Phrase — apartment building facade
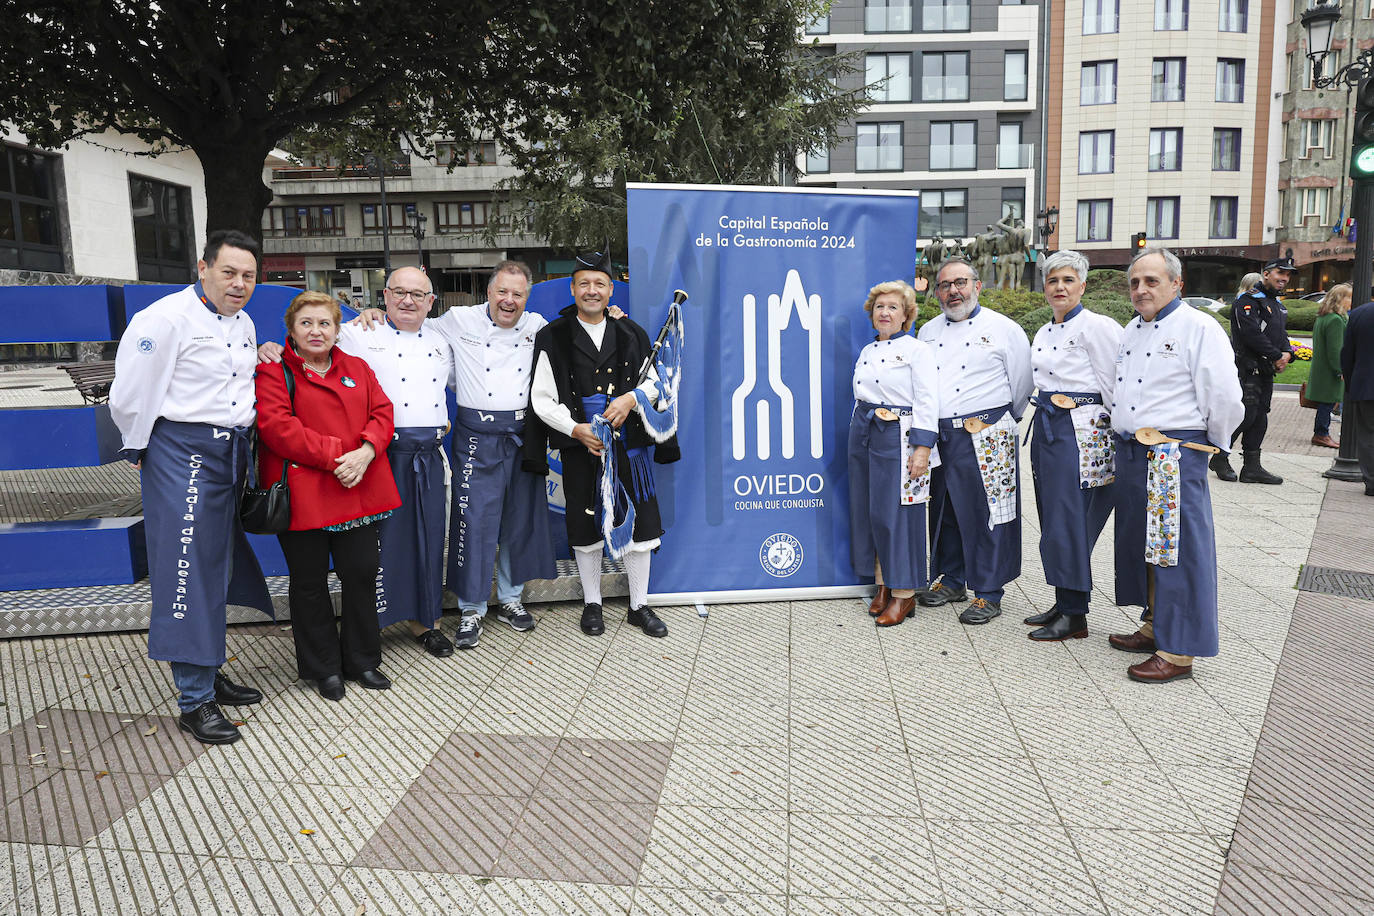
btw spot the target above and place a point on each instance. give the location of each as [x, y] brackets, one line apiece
[1162, 119]
[954, 108]
[326, 225]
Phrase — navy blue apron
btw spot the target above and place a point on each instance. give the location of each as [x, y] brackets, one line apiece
[879, 525]
[1185, 612]
[1071, 518]
[963, 549]
[410, 581]
[199, 559]
[494, 501]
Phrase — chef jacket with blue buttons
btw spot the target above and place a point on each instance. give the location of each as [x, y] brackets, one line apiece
[413, 368]
[1176, 373]
[983, 363]
[180, 359]
[1078, 354]
[900, 372]
[494, 364]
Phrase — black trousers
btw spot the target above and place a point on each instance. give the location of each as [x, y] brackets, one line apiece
[1361, 423]
[354, 644]
[1257, 394]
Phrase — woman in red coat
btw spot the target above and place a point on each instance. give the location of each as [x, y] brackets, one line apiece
[334, 433]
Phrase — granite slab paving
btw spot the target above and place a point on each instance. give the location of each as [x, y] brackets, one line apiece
[779, 757]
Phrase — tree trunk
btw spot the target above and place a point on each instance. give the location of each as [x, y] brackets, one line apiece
[235, 196]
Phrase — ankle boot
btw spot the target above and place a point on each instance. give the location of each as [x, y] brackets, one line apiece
[897, 611]
[1065, 626]
[1222, 466]
[875, 607]
[1251, 472]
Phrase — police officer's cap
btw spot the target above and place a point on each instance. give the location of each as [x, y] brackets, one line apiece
[1281, 264]
[595, 260]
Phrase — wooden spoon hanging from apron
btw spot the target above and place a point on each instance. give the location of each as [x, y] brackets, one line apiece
[1148, 435]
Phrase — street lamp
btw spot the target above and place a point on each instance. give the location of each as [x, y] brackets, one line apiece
[1320, 22]
[1046, 221]
[418, 230]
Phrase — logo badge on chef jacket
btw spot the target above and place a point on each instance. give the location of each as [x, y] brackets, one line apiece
[348, 382]
[146, 345]
[781, 555]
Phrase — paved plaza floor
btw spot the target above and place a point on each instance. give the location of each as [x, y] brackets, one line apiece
[772, 758]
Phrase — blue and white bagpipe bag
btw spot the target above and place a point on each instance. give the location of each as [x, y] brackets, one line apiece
[661, 423]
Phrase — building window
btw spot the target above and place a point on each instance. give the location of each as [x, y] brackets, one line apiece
[1100, 17]
[1014, 76]
[887, 15]
[1096, 150]
[460, 216]
[1165, 146]
[1014, 203]
[944, 76]
[1097, 85]
[888, 77]
[1223, 221]
[1167, 76]
[879, 148]
[1094, 221]
[1313, 203]
[820, 25]
[1316, 137]
[399, 218]
[953, 145]
[460, 155]
[1011, 153]
[1234, 14]
[1230, 79]
[1161, 217]
[944, 15]
[944, 213]
[29, 227]
[1226, 149]
[818, 161]
[1171, 15]
[162, 230]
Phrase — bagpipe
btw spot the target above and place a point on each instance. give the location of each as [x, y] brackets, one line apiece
[665, 359]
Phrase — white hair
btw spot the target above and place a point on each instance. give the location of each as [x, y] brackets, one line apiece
[1171, 263]
[1066, 258]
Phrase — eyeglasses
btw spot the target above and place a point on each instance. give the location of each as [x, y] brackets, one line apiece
[960, 284]
[415, 294]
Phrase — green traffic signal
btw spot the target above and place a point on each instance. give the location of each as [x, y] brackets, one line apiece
[1362, 162]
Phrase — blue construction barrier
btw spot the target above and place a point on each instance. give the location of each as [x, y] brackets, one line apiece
[93, 551]
[61, 314]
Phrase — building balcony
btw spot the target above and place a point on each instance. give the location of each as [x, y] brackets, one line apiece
[1015, 155]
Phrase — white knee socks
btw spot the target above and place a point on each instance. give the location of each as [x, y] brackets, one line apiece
[589, 570]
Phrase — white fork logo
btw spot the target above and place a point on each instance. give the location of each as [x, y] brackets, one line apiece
[808, 309]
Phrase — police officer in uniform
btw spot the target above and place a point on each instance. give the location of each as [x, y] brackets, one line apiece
[1259, 336]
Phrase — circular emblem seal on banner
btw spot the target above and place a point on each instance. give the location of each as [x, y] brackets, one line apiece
[781, 555]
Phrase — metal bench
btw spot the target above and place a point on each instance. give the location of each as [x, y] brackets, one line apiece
[93, 380]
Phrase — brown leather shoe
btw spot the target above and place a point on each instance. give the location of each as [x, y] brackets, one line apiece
[1325, 441]
[897, 611]
[880, 600]
[1132, 642]
[1155, 670]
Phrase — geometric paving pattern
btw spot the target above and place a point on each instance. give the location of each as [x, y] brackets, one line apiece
[771, 758]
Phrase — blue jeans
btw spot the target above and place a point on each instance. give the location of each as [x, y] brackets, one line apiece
[506, 591]
[1322, 425]
[196, 683]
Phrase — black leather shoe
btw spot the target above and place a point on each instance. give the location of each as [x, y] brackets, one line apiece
[435, 643]
[1065, 626]
[332, 687]
[227, 693]
[1221, 466]
[1039, 620]
[648, 621]
[372, 679]
[208, 725]
[592, 624]
[1253, 472]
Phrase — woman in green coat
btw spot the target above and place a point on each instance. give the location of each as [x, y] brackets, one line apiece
[1325, 385]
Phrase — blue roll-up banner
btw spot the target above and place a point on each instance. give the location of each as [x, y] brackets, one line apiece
[758, 507]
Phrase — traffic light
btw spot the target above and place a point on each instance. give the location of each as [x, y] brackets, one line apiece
[1362, 133]
[1138, 241]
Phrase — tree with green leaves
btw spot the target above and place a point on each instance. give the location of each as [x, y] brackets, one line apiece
[231, 79]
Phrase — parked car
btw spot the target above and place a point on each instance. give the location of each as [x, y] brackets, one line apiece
[1203, 302]
[1315, 297]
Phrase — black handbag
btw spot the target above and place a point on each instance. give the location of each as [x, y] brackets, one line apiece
[268, 510]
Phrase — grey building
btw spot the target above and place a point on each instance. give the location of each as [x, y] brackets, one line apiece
[954, 108]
